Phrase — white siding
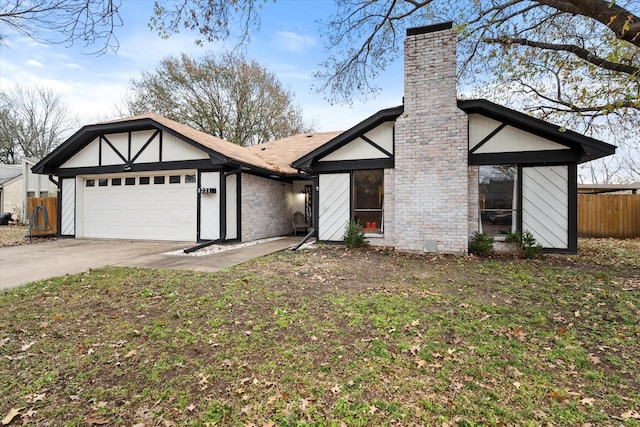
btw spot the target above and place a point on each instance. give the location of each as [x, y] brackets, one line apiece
[334, 209]
[173, 149]
[119, 141]
[88, 156]
[357, 149]
[545, 210]
[68, 202]
[151, 153]
[382, 135]
[210, 206]
[507, 140]
[232, 207]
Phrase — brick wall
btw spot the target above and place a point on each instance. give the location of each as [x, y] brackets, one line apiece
[266, 208]
[431, 178]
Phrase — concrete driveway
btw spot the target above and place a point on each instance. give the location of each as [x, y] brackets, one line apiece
[42, 260]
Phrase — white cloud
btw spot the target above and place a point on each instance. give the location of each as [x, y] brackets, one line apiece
[293, 42]
[34, 63]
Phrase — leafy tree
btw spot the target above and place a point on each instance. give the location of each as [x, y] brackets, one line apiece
[64, 21]
[227, 96]
[34, 122]
[574, 62]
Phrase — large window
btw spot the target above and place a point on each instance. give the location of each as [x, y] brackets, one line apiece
[368, 198]
[497, 199]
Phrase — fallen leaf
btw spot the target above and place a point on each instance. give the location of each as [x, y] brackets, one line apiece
[304, 404]
[517, 384]
[630, 415]
[95, 420]
[451, 351]
[58, 316]
[594, 359]
[27, 346]
[336, 389]
[191, 407]
[421, 363]
[372, 409]
[130, 354]
[588, 401]
[29, 414]
[519, 334]
[32, 398]
[3, 341]
[415, 322]
[13, 412]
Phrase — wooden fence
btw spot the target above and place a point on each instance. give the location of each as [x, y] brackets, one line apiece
[609, 215]
[43, 226]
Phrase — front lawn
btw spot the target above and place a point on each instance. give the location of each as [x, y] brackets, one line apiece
[331, 337]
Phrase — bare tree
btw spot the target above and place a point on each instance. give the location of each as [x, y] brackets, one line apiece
[90, 22]
[227, 96]
[35, 121]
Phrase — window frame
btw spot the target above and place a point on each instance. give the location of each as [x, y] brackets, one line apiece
[368, 227]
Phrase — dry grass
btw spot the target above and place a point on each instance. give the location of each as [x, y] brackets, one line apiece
[11, 235]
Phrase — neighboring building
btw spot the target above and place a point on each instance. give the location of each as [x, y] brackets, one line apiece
[420, 177]
[15, 189]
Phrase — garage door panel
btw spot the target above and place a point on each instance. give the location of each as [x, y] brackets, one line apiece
[146, 212]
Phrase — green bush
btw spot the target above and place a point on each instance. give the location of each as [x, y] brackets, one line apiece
[527, 244]
[353, 236]
[480, 244]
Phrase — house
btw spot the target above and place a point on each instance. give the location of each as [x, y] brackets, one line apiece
[418, 176]
[17, 183]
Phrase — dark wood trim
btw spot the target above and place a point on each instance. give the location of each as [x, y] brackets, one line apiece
[146, 144]
[519, 209]
[139, 167]
[525, 157]
[369, 141]
[488, 137]
[573, 207]
[350, 165]
[239, 204]
[100, 150]
[114, 149]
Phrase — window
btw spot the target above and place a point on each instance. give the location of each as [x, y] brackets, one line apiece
[158, 179]
[116, 181]
[497, 199]
[368, 199]
[129, 181]
[144, 180]
[91, 182]
[174, 179]
[102, 182]
[189, 179]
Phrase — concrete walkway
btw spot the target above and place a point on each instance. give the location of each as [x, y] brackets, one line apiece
[30, 262]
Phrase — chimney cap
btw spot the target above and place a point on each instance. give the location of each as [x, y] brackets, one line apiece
[429, 28]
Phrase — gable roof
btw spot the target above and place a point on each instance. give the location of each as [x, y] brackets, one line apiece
[586, 147]
[219, 149]
[305, 161]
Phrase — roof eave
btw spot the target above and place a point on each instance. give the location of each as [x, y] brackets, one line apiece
[589, 148]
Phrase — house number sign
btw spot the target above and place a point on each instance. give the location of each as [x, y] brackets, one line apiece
[206, 190]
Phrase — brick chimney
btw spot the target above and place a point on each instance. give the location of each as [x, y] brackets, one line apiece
[431, 148]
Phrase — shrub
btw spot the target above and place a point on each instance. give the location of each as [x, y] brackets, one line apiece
[527, 244]
[480, 244]
[353, 236]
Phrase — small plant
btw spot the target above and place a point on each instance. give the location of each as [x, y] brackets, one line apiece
[480, 244]
[353, 236]
[527, 244]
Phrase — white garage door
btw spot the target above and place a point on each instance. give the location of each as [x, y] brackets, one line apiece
[148, 207]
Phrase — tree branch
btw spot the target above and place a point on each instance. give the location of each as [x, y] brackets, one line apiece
[576, 50]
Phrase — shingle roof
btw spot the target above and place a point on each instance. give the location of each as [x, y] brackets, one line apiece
[282, 152]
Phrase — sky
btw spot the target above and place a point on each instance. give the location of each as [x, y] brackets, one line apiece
[289, 44]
